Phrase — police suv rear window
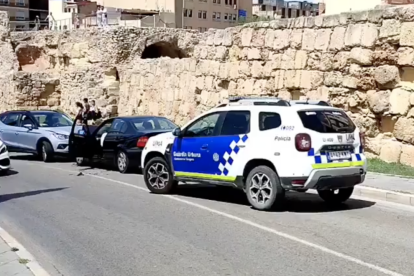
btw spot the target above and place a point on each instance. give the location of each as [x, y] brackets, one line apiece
[326, 121]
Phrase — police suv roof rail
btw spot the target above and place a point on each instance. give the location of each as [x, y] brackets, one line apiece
[240, 100]
[310, 102]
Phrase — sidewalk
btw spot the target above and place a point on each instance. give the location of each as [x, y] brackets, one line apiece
[388, 188]
[15, 260]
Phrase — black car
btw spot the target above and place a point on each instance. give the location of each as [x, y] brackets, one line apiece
[119, 141]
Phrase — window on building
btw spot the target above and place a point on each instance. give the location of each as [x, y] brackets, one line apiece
[226, 2]
[230, 2]
[204, 14]
[218, 16]
[234, 17]
[188, 27]
[213, 16]
[263, 8]
[5, 2]
[20, 3]
[20, 15]
[200, 14]
[226, 17]
[188, 13]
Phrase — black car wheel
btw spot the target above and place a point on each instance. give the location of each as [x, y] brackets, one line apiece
[47, 151]
[122, 161]
[336, 196]
[158, 176]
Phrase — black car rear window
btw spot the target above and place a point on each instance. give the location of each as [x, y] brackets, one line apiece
[326, 121]
[152, 123]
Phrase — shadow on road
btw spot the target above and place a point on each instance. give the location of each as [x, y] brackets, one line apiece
[31, 157]
[295, 202]
[8, 173]
[7, 197]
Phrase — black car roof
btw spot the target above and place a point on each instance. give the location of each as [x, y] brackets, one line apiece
[135, 117]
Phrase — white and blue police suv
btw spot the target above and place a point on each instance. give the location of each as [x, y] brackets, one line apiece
[265, 146]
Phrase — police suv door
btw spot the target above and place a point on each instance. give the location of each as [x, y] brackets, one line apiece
[192, 154]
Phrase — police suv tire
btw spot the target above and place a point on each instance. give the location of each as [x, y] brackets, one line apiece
[46, 152]
[277, 194]
[170, 185]
[330, 197]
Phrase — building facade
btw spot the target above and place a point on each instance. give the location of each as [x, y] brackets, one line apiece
[18, 11]
[273, 9]
[191, 14]
[339, 6]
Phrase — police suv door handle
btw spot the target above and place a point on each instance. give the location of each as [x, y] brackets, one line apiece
[241, 146]
[205, 146]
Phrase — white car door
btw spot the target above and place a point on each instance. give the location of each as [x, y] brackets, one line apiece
[8, 129]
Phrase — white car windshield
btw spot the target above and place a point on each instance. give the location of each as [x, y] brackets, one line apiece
[52, 119]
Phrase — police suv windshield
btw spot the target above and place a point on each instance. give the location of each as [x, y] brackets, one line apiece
[52, 119]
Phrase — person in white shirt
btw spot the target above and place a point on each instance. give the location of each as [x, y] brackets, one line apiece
[51, 21]
[99, 17]
[104, 17]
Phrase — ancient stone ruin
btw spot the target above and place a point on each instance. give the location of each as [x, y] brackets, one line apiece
[362, 62]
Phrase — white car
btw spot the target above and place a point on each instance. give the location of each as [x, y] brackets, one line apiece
[4, 158]
[265, 146]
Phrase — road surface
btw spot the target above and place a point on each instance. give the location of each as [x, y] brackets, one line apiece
[106, 223]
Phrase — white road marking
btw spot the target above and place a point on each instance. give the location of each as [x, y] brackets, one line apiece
[251, 223]
[22, 253]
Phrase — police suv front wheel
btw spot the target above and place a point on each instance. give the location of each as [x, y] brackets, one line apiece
[158, 176]
[336, 196]
[263, 189]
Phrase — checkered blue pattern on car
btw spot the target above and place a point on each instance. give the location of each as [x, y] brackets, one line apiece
[322, 158]
[230, 155]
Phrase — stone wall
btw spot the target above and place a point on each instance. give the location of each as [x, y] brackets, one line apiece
[362, 62]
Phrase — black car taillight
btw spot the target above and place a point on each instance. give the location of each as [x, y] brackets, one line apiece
[142, 142]
[303, 142]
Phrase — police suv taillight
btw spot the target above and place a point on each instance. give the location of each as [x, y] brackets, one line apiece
[303, 142]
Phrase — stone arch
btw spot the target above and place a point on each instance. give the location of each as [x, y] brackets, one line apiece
[163, 49]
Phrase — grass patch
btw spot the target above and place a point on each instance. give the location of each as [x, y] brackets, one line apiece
[23, 261]
[379, 166]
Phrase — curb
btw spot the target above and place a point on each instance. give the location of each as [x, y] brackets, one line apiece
[22, 253]
[385, 195]
[391, 175]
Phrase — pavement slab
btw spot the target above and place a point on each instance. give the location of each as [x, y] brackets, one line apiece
[9, 262]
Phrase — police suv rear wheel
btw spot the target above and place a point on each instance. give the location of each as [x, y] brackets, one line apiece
[263, 188]
[336, 196]
[158, 176]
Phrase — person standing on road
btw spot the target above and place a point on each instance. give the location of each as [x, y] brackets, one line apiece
[37, 23]
[104, 17]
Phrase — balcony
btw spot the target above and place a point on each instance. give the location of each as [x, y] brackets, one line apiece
[18, 18]
[14, 3]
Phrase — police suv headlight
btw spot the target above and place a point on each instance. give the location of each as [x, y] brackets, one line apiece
[61, 136]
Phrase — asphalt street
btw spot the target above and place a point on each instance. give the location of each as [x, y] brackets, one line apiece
[101, 222]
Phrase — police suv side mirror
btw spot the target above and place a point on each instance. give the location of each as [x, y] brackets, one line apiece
[177, 132]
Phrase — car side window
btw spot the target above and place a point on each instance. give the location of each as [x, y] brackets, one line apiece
[236, 123]
[11, 119]
[118, 126]
[25, 120]
[269, 120]
[104, 128]
[205, 126]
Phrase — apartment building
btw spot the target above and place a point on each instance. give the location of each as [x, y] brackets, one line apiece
[273, 9]
[339, 6]
[191, 14]
[18, 11]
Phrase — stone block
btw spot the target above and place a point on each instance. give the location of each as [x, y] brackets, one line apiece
[391, 151]
[333, 78]
[407, 34]
[361, 56]
[292, 79]
[405, 56]
[390, 28]
[301, 59]
[281, 39]
[257, 70]
[407, 155]
[279, 79]
[311, 79]
[399, 102]
[269, 38]
[246, 37]
[375, 16]
[296, 38]
[330, 21]
[309, 22]
[350, 82]
[369, 35]
[387, 75]
[309, 38]
[288, 59]
[337, 41]
[258, 39]
[359, 16]
[404, 129]
[378, 101]
[253, 54]
[353, 35]
[323, 39]
[227, 38]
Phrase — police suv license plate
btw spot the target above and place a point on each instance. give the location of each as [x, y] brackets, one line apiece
[339, 155]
